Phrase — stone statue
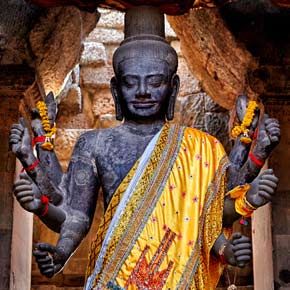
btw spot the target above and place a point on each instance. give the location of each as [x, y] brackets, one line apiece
[164, 186]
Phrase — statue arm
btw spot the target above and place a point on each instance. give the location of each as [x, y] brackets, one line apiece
[82, 185]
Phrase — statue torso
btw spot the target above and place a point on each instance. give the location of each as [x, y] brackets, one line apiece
[116, 151]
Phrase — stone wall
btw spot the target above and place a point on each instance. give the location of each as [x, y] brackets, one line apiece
[86, 103]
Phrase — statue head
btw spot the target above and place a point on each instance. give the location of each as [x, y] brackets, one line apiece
[145, 85]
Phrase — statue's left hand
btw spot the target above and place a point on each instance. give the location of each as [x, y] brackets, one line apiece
[262, 188]
[238, 250]
[20, 140]
[268, 137]
[48, 259]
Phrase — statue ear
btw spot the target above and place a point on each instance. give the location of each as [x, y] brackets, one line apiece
[171, 104]
[116, 97]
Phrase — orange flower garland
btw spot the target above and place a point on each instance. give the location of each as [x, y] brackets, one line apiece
[243, 128]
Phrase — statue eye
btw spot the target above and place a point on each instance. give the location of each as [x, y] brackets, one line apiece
[130, 81]
[155, 81]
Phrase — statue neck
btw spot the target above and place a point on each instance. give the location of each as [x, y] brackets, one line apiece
[143, 128]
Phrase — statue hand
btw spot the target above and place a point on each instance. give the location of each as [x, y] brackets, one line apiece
[20, 140]
[262, 188]
[46, 258]
[28, 194]
[238, 250]
[36, 122]
[268, 137]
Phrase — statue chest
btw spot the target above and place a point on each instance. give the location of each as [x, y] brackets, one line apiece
[116, 160]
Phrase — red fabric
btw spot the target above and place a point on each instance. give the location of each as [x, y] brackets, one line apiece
[45, 200]
[32, 166]
[255, 160]
[38, 139]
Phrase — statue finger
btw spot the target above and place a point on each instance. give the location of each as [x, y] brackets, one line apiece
[45, 260]
[266, 196]
[268, 182]
[16, 131]
[236, 235]
[39, 254]
[24, 194]
[48, 272]
[20, 182]
[45, 247]
[22, 187]
[15, 137]
[272, 124]
[13, 143]
[275, 132]
[271, 121]
[242, 246]
[270, 177]
[265, 188]
[244, 252]
[44, 267]
[17, 126]
[25, 199]
[241, 240]
[244, 258]
[274, 139]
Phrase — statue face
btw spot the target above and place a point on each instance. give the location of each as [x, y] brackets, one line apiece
[144, 88]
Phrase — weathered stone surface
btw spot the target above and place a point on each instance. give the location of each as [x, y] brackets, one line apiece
[96, 78]
[106, 35]
[201, 112]
[72, 102]
[188, 83]
[94, 54]
[213, 54]
[111, 19]
[66, 139]
[57, 44]
[102, 103]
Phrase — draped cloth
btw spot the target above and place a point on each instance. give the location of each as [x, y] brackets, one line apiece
[160, 226]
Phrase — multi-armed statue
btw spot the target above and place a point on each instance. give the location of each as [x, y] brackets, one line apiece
[164, 185]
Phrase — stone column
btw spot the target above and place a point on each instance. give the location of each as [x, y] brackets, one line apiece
[13, 82]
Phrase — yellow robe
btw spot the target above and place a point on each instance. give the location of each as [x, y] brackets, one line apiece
[164, 237]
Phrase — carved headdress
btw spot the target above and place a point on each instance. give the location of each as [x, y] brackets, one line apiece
[145, 37]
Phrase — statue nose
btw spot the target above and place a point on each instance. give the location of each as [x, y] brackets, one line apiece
[143, 93]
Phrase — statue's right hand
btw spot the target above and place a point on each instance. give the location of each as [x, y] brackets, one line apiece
[28, 194]
[20, 140]
[45, 258]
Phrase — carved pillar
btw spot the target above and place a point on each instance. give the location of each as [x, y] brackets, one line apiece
[14, 80]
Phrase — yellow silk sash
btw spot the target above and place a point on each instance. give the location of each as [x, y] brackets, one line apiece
[164, 238]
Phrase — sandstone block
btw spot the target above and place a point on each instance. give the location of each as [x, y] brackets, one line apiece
[106, 35]
[94, 54]
[188, 83]
[102, 103]
[111, 19]
[72, 102]
[96, 77]
[65, 141]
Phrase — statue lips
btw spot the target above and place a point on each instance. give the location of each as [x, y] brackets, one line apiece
[143, 104]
